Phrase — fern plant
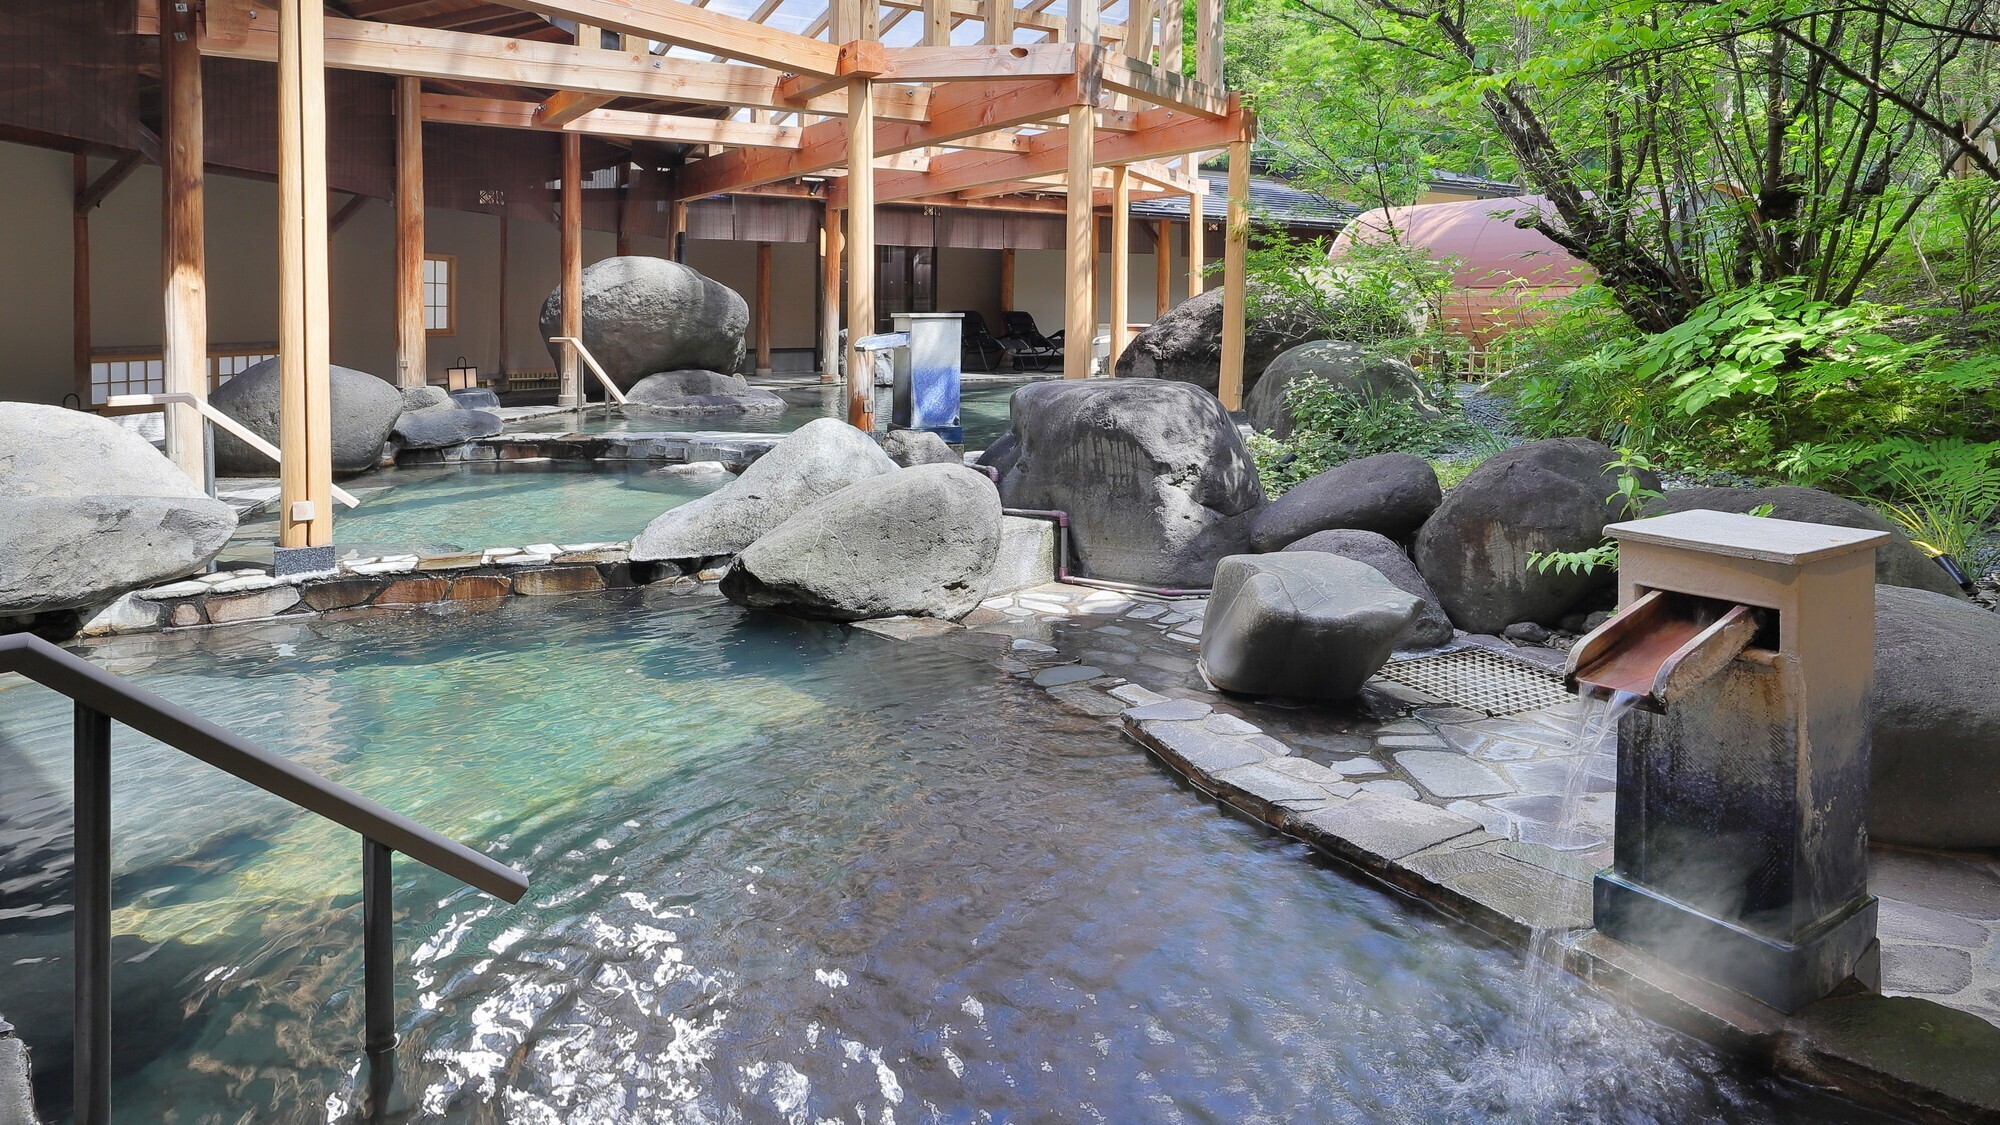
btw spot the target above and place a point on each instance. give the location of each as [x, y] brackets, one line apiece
[1944, 495]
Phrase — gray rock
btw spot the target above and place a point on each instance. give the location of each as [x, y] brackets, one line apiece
[701, 392]
[1345, 366]
[362, 410]
[89, 510]
[1185, 344]
[1304, 625]
[434, 427]
[1153, 474]
[916, 541]
[1525, 632]
[1898, 563]
[1390, 494]
[424, 398]
[1937, 722]
[1431, 627]
[824, 456]
[476, 398]
[918, 447]
[642, 315]
[1542, 496]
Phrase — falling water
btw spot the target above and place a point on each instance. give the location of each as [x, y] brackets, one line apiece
[1544, 1050]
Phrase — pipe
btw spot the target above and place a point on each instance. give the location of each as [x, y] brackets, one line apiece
[1061, 520]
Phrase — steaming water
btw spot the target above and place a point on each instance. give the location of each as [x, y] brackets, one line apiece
[781, 872]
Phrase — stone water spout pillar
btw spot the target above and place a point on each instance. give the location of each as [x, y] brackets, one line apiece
[1741, 845]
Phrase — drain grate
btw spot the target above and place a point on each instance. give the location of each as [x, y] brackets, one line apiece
[1479, 680]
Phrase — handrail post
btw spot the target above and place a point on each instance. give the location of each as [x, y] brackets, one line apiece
[91, 1073]
[378, 950]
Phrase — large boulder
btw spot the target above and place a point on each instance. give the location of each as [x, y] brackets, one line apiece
[1431, 627]
[642, 315]
[1391, 494]
[1937, 722]
[702, 392]
[1344, 366]
[919, 447]
[362, 412]
[1897, 563]
[434, 419]
[1185, 343]
[1303, 625]
[824, 456]
[916, 541]
[1475, 551]
[1153, 474]
[89, 510]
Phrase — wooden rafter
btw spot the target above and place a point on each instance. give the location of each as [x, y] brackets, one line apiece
[670, 21]
[614, 123]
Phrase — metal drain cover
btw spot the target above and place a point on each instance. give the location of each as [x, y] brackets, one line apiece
[1479, 680]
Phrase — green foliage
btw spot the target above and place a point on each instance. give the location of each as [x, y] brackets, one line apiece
[1334, 425]
[1632, 494]
[1385, 298]
[1944, 496]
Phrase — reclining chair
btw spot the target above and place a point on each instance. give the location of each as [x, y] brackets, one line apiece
[1028, 345]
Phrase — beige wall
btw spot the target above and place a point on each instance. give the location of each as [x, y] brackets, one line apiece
[1038, 285]
[794, 283]
[35, 275]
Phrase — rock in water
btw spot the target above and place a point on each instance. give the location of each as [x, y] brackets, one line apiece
[1539, 497]
[824, 456]
[1153, 474]
[435, 427]
[916, 541]
[1304, 625]
[89, 510]
[1338, 363]
[362, 411]
[476, 398]
[1897, 563]
[701, 392]
[919, 447]
[1185, 344]
[1937, 722]
[642, 315]
[1390, 494]
[1431, 627]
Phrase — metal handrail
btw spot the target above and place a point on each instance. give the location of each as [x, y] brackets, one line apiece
[610, 388]
[100, 698]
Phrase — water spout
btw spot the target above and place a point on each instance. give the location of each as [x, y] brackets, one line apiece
[1658, 648]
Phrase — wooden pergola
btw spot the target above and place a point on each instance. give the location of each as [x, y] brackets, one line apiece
[1042, 105]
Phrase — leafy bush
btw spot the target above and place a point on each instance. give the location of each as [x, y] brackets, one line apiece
[1333, 425]
[1384, 297]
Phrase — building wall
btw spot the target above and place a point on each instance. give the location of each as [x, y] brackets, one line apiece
[1038, 284]
[35, 279]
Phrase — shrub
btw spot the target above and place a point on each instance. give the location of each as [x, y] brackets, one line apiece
[1333, 425]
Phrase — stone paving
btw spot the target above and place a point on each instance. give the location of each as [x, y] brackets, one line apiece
[1519, 779]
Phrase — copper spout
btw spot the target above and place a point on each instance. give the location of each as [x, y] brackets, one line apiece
[1658, 648]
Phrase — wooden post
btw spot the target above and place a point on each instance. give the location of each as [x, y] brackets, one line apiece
[183, 259]
[860, 250]
[502, 284]
[1006, 280]
[1079, 312]
[1170, 36]
[624, 246]
[937, 23]
[305, 478]
[569, 389]
[1121, 262]
[1208, 41]
[999, 18]
[829, 293]
[762, 311]
[677, 229]
[412, 362]
[79, 279]
[1163, 268]
[1235, 248]
[1197, 235]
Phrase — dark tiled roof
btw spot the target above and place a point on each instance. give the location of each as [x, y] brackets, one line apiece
[1271, 201]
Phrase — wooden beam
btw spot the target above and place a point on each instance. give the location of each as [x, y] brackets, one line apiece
[228, 21]
[860, 255]
[108, 182]
[432, 53]
[1164, 132]
[761, 309]
[1235, 250]
[1121, 261]
[347, 211]
[1079, 315]
[79, 281]
[412, 358]
[1163, 267]
[619, 123]
[960, 110]
[686, 25]
[860, 58]
[183, 255]
[1162, 88]
[565, 106]
[569, 389]
[983, 63]
[829, 293]
[305, 474]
